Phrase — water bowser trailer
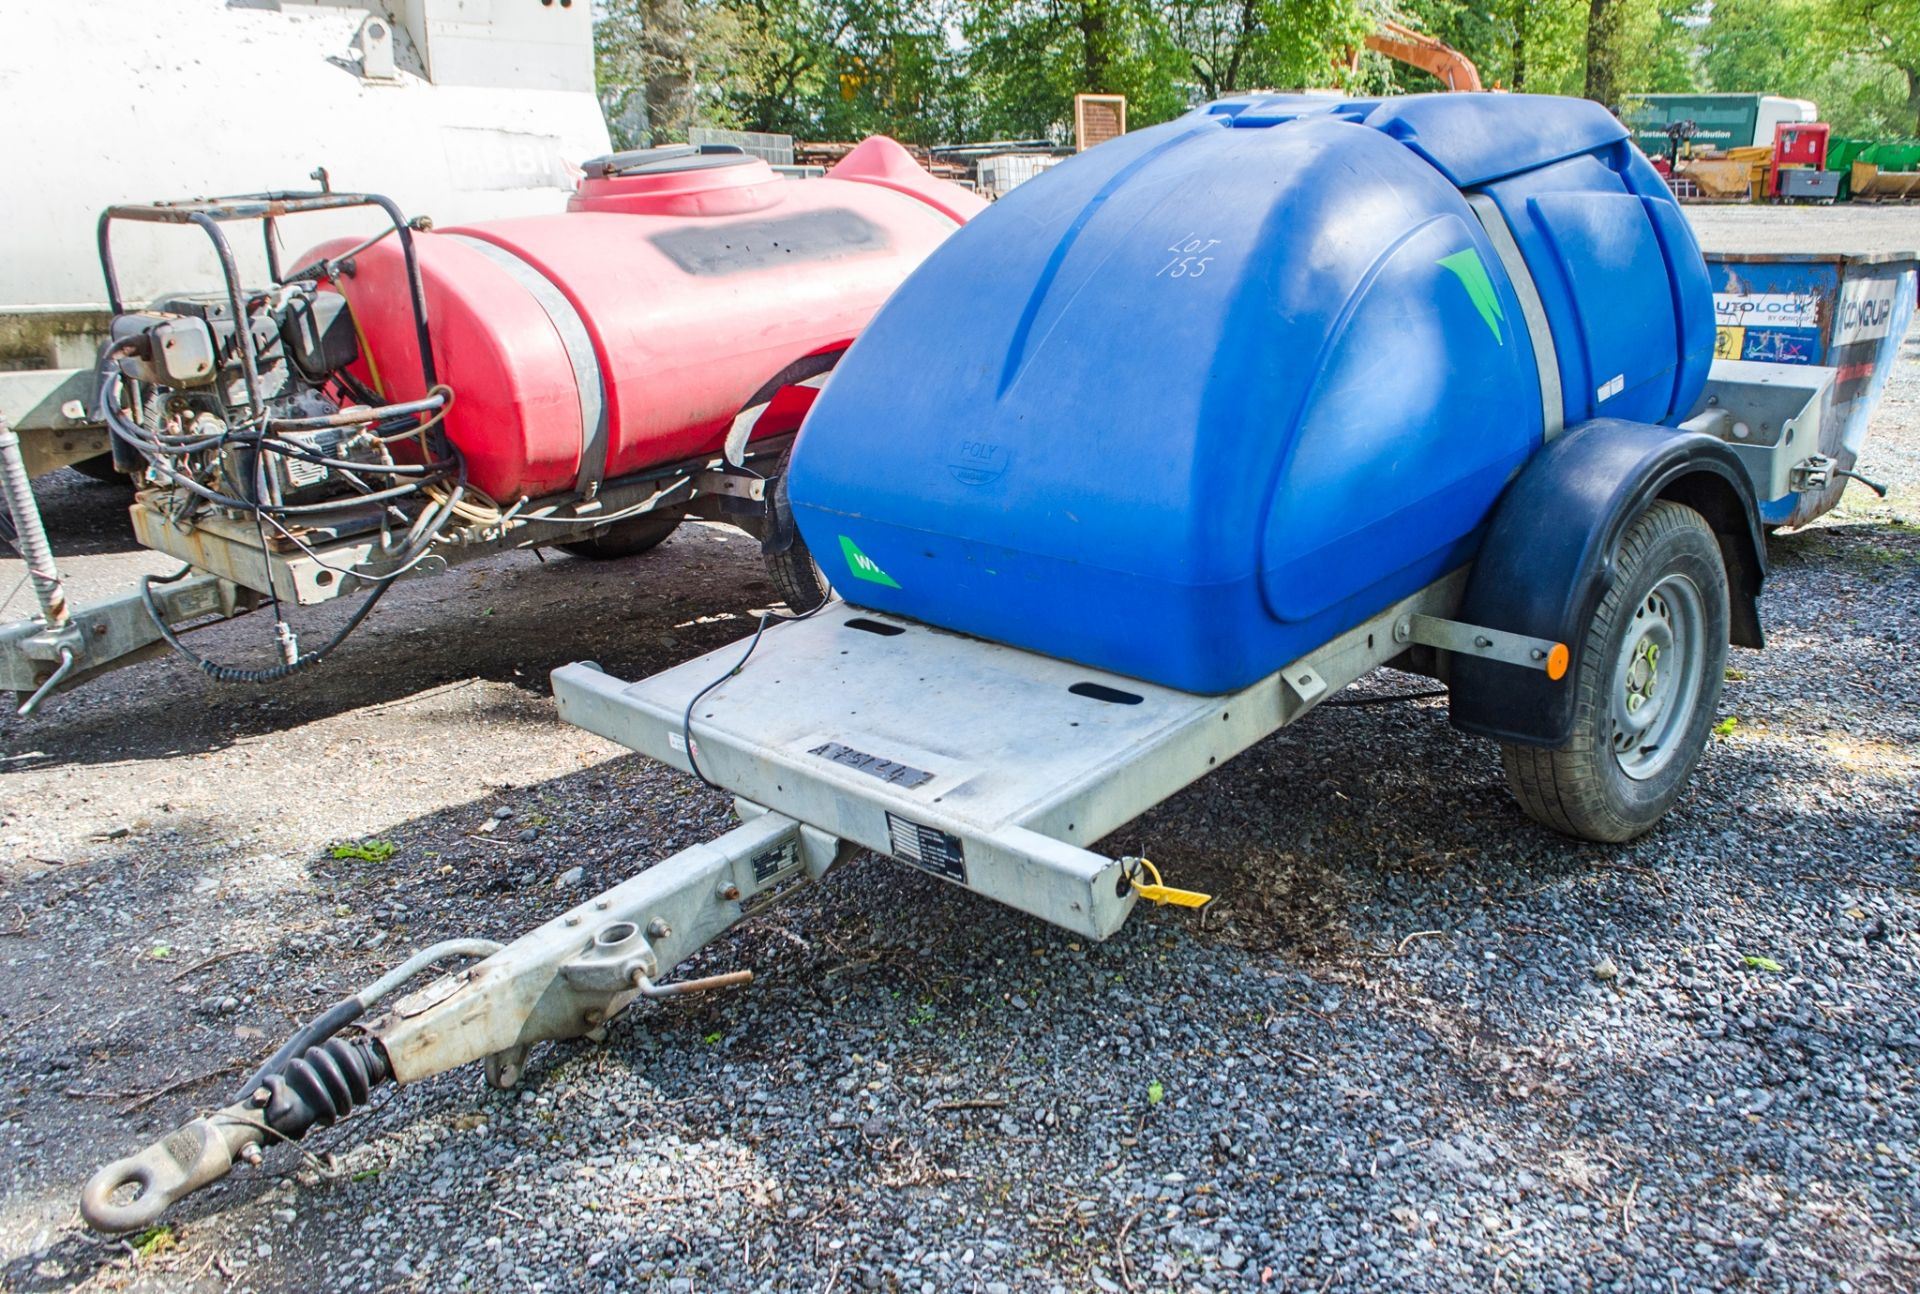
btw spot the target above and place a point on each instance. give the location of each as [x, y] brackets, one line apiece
[407, 396]
[1239, 409]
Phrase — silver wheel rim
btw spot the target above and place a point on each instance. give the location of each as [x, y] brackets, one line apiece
[1654, 688]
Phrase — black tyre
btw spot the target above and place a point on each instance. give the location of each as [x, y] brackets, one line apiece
[626, 538]
[798, 578]
[1648, 679]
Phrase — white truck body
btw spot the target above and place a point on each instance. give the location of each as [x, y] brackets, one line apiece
[457, 109]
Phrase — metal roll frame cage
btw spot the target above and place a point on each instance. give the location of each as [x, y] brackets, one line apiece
[269, 207]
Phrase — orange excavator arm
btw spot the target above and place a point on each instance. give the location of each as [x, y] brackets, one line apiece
[1403, 44]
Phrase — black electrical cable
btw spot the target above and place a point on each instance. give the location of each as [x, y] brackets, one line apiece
[430, 523]
[235, 674]
[311, 1034]
[260, 530]
[428, 527]
[288, 450]
[356, 388]
[254, 430]
[152, 446]
[686, 719]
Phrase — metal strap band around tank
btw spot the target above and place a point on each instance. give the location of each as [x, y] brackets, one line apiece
[1552, 410]
[587, 376]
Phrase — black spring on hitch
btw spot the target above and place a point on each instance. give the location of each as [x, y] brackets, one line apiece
[320, 1085]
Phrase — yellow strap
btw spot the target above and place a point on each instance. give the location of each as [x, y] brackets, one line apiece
[1159, 892]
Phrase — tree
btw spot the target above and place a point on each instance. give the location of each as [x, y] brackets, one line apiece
[1887, 32]
[1834, 52]
[1760, 46]
[1536, 46]
[954, 70]
[1603, 50]
[1026, 59]
[1233, 45]
[662, 66]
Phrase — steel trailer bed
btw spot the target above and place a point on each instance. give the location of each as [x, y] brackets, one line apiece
[990, 767]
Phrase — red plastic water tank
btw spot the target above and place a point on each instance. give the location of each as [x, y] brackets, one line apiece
[627, 333]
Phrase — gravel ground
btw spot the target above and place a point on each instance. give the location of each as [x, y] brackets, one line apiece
[1848, 227]
[1422, 1045]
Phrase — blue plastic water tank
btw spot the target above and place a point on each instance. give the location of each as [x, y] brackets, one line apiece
[1198, 400]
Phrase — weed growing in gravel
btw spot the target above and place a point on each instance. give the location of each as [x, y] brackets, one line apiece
[155, 1241]
[365, 851]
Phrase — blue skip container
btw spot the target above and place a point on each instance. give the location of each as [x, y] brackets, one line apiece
[1198, 400]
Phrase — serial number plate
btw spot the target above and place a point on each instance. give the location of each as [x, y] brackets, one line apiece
[927, 848]
[890, 771]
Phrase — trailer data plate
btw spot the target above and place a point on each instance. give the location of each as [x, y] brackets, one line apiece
[769, 863]
[928, 848]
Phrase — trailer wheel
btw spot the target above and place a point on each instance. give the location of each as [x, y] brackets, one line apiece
[1649, 675]
[798, 578]
[626, 538]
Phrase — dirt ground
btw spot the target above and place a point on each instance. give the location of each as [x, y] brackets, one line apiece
[169, 905]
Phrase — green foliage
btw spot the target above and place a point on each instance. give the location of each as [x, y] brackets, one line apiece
[1884, 37]
[364, 851]
[1856, 59]
[1155, 1092]
[1763, 963]
[154, 1241]
[1028, 58]
[1265, 44]
[936, 71]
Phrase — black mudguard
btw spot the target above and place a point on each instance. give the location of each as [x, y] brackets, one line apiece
[1548, 559]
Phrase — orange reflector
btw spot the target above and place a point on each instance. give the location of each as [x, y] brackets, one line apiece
[1557, 662]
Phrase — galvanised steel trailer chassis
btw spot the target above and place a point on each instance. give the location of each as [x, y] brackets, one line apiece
[990, 767]
[825, 741]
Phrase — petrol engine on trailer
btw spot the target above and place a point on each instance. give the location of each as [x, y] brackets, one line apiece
[185, 353]
[184, 358]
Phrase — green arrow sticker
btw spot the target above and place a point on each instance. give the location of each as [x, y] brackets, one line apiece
[863, 566]
[1467, 267]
